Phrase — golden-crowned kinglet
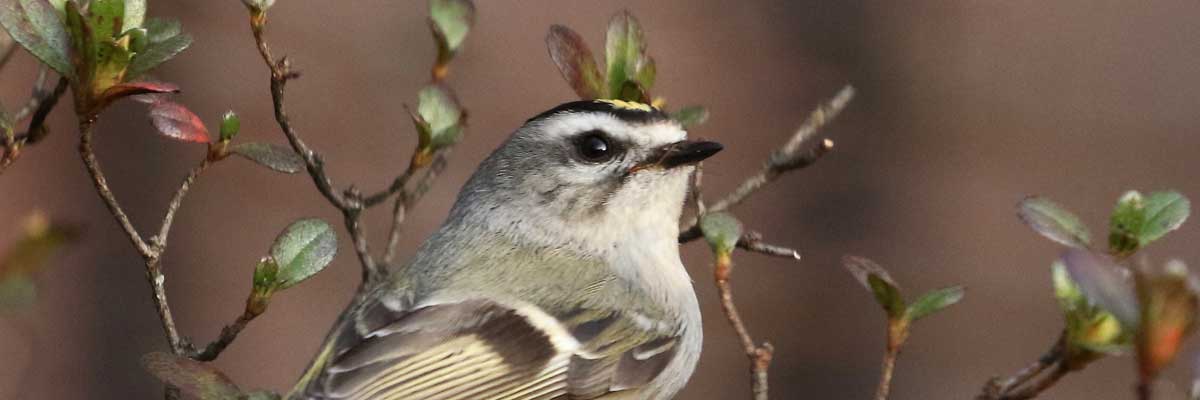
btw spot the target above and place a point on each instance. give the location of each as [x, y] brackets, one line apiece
[556, 275]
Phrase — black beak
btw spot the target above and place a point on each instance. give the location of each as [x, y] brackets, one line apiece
[685, 153]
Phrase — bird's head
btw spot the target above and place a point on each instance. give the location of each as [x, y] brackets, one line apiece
[588, 171]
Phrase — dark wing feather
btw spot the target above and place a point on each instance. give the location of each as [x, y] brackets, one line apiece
[479, 349]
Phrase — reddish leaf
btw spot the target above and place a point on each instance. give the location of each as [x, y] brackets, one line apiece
[123, 90]
[575, 61]
[178, 122]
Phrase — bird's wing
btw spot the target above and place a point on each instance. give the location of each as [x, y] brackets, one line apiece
[480, 349]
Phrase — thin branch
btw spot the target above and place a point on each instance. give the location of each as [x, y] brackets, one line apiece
[1040, 385]
[997, 389]
[752, 241]
[106, 194]
[36, 96]
[350, 202]
[788, 157]
[228, 334]
[409, 198]
[885, 376]
[40, 104]
[760, 356]
[160, 241]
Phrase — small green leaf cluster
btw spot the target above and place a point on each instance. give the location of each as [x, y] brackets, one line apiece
[1106, 306]
[302, 250]
[629, 72]
[99, 52]
[900, 313]
[439, 118]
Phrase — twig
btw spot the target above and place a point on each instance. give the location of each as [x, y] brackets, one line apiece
[760, 356]
[1041, 385]
[351, 202]
[228, 334]
[409, 198]
[997, 389]
[787, 158]
[885, 376]
[160, 241]
[110, 200]
[152, 251]
[40, 104]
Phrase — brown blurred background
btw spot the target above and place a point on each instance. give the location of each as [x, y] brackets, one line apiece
[963, 108]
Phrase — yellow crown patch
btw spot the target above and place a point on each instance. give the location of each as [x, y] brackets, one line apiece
[628, 105]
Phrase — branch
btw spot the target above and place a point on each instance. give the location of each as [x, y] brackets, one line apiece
[351, 202]
[1006, 389]
[40, 104]
[885, 376]
[760, 356]
[784, 159]
[106, 194]
[409, 198]
[151, 252]
[160, 241]
[228, 334]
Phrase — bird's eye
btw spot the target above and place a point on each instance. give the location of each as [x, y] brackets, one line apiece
[595, 147]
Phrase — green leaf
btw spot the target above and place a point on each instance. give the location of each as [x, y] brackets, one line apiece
[279, 158]
[690, 116]
[624, 50]
[1053, 222]
[1090, 329]
[575, 62]
[632, 91]
[934, 301]
[887, 295]
[1126, 223]
[159, 30]
[83, 45]
[266, 281]
[439, 110]
[36, 26]
[135, 14]
[647, 72]
[266, 275]
[191, 377]
[721, 230]
[303, 249]
[451, 20]
[162, 47]
[877, 280]
[138, 39]
[106, 17]
[230, 125]
[1165, 212]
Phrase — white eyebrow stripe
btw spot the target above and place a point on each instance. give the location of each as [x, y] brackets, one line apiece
[648, 134]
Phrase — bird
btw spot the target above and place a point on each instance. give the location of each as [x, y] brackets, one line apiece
[556, 275]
